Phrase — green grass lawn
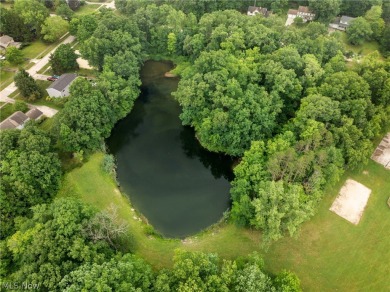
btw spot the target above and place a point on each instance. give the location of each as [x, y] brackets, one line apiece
[86, 9]
[6, 78]
[330, 253]
[364, 49]
[6, 111]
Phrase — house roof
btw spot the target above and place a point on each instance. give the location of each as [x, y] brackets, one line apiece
[304, 9]
[34, 113]
[292, 11]
[253, 9]
[64, 81]
[15, 120]
[5, 39]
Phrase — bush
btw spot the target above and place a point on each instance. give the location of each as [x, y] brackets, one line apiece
[108, 164]
[20, 106]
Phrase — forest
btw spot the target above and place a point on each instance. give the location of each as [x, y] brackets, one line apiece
[285, 102]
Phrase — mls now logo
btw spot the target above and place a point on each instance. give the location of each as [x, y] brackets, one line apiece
[20, 286]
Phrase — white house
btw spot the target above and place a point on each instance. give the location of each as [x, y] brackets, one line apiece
[7, 41]
[253, 10]
[303, 12]
[341, 23]
[60, 87]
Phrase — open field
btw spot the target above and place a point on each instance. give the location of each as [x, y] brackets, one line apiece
[330, 253]
[86, 9]
[364, 49]
[6, 111]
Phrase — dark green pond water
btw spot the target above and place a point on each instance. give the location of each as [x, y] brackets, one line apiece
[176, 184]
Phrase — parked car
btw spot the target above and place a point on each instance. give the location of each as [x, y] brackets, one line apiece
[51, 78]
[55, 76]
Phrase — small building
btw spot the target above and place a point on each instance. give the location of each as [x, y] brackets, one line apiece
[341, 23]
[60, 87]
[253, 10]
[7, 41]
[18, 119]
[15, 121]
[303, 12]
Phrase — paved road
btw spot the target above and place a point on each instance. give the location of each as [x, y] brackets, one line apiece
[39, 64]
[110, 5]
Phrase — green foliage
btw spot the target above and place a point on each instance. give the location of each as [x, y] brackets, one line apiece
[85, 119]
[108, 164]
[12, 24]
[27, 86]
[325, 10]
[359, 31]
[54, 28]
[287, 282]
[64, 59]
[51, 244]
[64, 11]
[20, 105]
[14, 55]
[121, 273]
[83, 27]
[171, 43]
[373, 16]
[30, 173]
[33, 13]
[227, 110]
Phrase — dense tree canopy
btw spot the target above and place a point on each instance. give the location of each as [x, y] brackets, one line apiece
[64, 59]
[54, 28]
[32, 12]
[30, 172]
[27, 86]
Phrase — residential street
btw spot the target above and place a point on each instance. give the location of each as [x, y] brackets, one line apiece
[39, 64]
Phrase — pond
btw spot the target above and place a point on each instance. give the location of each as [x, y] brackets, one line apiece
[176, 184]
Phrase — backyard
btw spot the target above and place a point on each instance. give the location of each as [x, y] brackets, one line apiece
[329, 254]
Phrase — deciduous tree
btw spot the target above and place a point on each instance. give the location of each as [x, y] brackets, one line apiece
[64, 59]
[54, 28]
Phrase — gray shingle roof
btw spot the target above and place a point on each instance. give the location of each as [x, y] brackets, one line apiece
[34, 113]
[62, 82]
[346, 19]
[15, 120]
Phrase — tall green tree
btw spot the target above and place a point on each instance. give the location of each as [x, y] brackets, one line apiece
[64, 11]
[121, 273]
[86, 118]
[27, 86]
[64, 59]
[33, 13]
[51, 244]
[12, 24]
[30, 173]
[54, 28]
[14, 55]
[359, 31]
[226, 108]
[373, 16]
[325, 10]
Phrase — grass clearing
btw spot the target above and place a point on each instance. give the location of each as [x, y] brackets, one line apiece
[364, 49]
[329, 254]
[332, 254]
[87, 9]
[6, 111]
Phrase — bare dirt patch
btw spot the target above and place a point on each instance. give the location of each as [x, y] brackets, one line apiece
[382, 152]
[351, 201]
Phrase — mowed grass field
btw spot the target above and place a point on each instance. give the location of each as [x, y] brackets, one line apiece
[330, 253]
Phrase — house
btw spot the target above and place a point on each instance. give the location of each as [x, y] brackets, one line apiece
[253, 10]
[341, 23]
[60, 87]
[7, 41]
[303, 12]
[18, 119]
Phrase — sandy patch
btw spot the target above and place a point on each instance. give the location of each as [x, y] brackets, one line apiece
[382, 152]
[351, 201]
[82, 62]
